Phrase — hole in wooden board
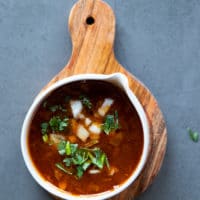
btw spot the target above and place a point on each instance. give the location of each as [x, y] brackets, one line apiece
[90, 20]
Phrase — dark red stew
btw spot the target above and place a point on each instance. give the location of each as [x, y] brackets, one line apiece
[86, 137]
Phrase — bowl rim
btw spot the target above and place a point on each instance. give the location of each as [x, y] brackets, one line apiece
[120, 80]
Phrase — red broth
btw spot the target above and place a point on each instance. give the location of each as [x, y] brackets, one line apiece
[123, 146]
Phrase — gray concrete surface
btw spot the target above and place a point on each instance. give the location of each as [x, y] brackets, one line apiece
[158, 41]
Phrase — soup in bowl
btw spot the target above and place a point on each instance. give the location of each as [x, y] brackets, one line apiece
[86, 137]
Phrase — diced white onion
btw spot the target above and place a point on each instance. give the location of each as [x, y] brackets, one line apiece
[105, 106]
[55, 138]
[76, 107]
[88, 121]
[81, 116]
[95, 128]
[94, 171]
[82, 133]
[112, 171]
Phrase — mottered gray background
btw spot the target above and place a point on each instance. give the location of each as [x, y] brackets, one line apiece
[158, 41]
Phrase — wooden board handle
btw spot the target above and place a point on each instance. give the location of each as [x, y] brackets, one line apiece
[92, 29]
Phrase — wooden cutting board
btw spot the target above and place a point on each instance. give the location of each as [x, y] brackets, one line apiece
[92, 29]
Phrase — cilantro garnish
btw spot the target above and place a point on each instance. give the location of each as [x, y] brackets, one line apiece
[58, 124]
[80, 158]
[86, 101]
[111, 123]
[55, 108]
[61, 167]
[44, 130]
[44, 104]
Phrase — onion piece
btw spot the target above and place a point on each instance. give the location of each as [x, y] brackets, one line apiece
[82, 133]
[76, 107]
[105, 106]
[81, 116]
[88, 121]
[95, 128]
[55, 138]
[112, 171]
[94, 171]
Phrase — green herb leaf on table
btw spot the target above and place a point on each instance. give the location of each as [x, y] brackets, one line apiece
[194, 136]
[81, 158]
[111, 123]
[86, 101]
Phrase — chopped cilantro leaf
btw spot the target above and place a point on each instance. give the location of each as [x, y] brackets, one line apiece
[194, 136]
[86, 165]
[55, 108]
[45, 138]
[81, 158]
[61, 167]
[80, 171]
[86, 101]
[61, 148]
[67, 161]
[57, 124]
[44, 128]
[111, 123]
[44, 104]
[73, 147]
[68, 149]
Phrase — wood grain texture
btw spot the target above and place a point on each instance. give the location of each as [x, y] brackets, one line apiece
[93, 53]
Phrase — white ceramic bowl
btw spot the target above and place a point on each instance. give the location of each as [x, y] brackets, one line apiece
[116, 79]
